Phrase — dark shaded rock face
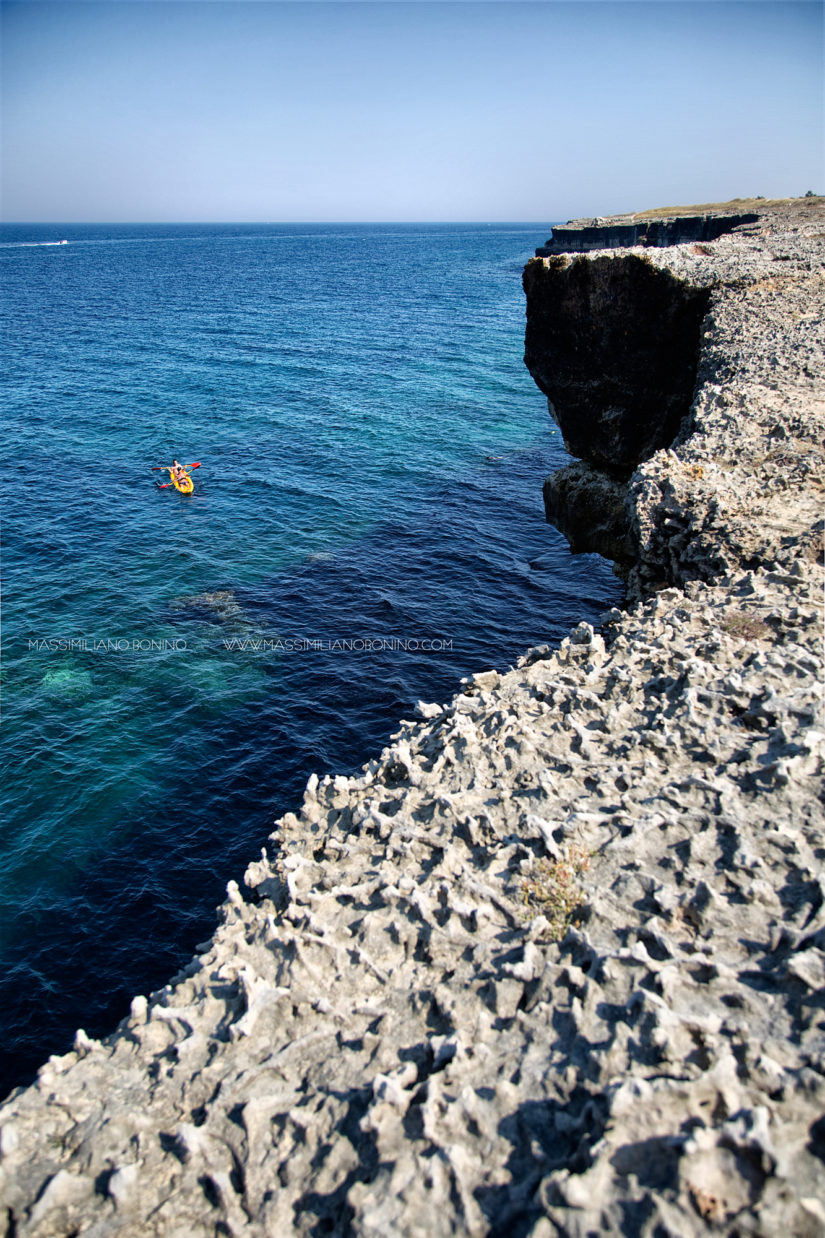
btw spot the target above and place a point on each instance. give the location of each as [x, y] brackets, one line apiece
[613, 342]
[590, 509]
[577, 238]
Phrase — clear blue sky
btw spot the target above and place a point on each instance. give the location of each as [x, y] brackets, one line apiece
[253, 110]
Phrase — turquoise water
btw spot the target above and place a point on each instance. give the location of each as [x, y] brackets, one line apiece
[372, 451]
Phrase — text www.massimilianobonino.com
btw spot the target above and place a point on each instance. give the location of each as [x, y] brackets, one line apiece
[302, 644]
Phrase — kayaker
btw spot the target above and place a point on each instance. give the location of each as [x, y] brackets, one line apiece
[178, 471]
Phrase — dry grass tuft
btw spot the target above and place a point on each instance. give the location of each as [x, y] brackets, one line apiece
[745, 627]
[552, 889]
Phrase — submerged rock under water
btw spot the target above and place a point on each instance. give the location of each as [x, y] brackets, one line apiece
[68, 681]
[216, 606]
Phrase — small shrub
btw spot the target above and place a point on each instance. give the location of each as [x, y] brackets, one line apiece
[745, 627]
[552, 890]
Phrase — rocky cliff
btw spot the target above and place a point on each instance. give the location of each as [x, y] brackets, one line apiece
[711, 350]
[582, 235]
[553, 963]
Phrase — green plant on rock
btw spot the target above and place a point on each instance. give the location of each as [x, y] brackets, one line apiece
[551, 889]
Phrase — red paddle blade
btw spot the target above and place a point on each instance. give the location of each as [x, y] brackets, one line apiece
[196, 465]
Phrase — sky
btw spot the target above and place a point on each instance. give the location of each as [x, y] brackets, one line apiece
[403, 110]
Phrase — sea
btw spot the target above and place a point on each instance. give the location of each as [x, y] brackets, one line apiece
[366, 528]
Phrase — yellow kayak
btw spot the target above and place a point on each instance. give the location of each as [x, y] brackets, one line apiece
[184, 484]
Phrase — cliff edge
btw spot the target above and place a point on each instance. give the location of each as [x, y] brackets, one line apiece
[553, 963]
[713, 351]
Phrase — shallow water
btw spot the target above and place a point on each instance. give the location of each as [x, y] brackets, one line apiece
[372, 453]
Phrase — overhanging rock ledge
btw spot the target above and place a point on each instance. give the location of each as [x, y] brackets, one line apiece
[713, 350]
[553, 963]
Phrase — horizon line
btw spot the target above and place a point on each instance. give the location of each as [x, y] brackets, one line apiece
[258, 223]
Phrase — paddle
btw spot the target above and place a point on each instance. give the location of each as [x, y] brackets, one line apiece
[160, 468]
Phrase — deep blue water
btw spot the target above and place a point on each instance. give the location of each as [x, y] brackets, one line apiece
[372, 451]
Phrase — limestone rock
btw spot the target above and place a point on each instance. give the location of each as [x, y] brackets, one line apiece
[581, 235]
[590, 508]
[741, 408]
